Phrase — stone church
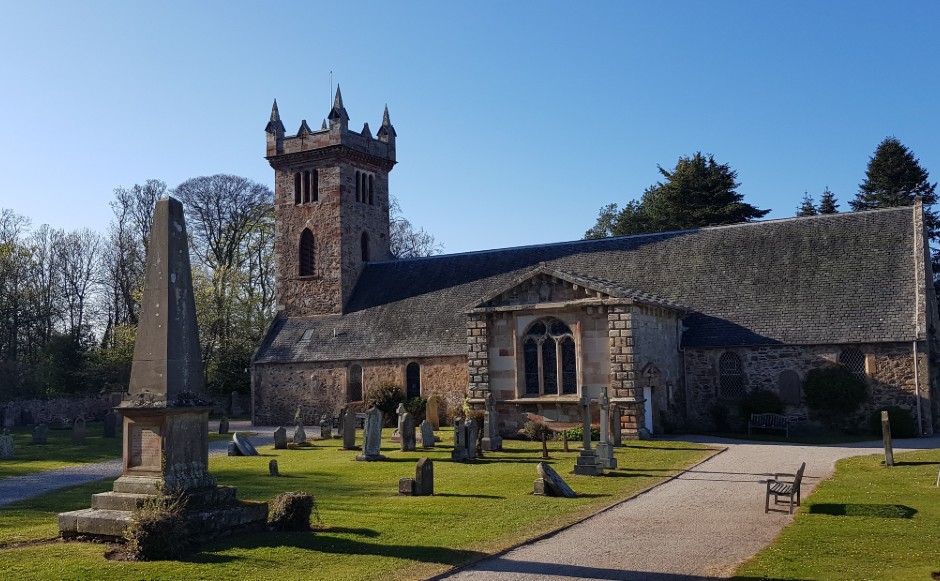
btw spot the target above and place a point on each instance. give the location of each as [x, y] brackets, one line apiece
[670, 323]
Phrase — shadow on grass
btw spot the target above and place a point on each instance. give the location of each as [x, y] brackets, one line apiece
[915, 463]
[506, 461]
[450, 494]
[667, 448]
[323, 542]
[872, 510]
[362, 532]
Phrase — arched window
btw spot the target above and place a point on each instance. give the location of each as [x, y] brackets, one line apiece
[854, 361]
[306, 187]
[316, 185]
[297, 192]
[549, 357]
[371, 199]
[354, 383]
[790, 387]
[730, 376]
[365, 247]
[358, 187]
[413, 380]
[307, 253]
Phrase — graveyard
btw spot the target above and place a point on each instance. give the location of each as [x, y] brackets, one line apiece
[368, 530]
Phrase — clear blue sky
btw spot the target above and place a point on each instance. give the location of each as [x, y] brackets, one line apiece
[520, 117]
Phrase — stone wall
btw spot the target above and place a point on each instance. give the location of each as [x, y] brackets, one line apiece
[59, 411]
[889, 374]
[320, 388]
[658, 365]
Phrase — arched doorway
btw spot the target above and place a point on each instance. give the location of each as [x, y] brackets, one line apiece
[413, 380]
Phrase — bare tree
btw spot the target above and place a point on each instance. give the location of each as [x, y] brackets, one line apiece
[407, 241]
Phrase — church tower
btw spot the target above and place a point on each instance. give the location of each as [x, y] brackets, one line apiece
[331, 208]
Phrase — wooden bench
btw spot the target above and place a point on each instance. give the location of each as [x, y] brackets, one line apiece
[790, 488]
[769, 422]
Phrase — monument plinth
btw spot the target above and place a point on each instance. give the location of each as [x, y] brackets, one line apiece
[166, 419]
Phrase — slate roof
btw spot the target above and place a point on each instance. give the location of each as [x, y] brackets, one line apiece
[838, 278]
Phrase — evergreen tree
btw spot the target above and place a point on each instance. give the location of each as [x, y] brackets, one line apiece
[807, 208]
[827, 203]
[697, 192]
[894, 178]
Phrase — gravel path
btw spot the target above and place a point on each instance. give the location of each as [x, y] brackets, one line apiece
[18, 488]
[698, 526]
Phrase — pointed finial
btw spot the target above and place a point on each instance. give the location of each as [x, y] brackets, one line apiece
[385, 118]
[338, 100]
[275, 126]
[338, 112]
[304, 128]
[323, 126]
[366, 131]
[386, 131]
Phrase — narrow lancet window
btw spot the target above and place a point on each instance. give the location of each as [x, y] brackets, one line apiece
[307, 253]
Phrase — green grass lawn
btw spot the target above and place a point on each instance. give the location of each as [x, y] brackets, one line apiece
[369, 532]
[866, 522]
[59, 452]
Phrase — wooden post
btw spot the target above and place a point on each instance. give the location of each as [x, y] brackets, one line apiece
[544, 448]
[564, 439]
[886, 434]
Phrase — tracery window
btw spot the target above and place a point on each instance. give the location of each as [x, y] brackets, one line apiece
[730, 376]
[854, 361]
[354, 383]
[307, 253]
[549, 358]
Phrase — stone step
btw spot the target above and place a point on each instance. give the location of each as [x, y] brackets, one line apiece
[97, 522]
[126, 501]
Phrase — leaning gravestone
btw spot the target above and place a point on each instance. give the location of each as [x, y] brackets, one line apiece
[551, 483]
[372, 437]
[244, 445]
[427, 435]
[433, 410]
[109, 429]
[223, 425]
[424, 478]
[6, 444]
[165, 413]
[41, 434]
[280, 438]
[406, 428]
[79, 430]
[349, 431]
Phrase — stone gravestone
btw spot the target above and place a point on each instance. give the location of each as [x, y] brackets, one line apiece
[372, 437]
[6, 444]
[406, 428]
[491, 439]
[587, 464]
[340, 428]
[78, 431]
[459, 454]
[244, 445]
[166, 415]
[41, 434]
[406, 486]
[223, 425]
[280, 438]
[605, 451]
[473, 435]
[235, 407]
[349, 431]
[424, 478]
[427, 435]
[109, 429]
[616, 425]
[396, 437]
[433, 410]
[8, 418]
[550, 483]
[300, 436]
[326, 428]
[272, 468]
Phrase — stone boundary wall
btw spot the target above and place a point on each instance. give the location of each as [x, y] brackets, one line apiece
[59, 411]
[320, 388]
[889, 375]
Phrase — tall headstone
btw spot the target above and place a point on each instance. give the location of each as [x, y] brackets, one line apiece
[300, 436]
[280, 438]
[473, 435]
[41, 434]
[427, 435]
[223, 425]
[459, 453]
[406, 428]
[491, 438]
[424, 478]
[605, 451]
[109, 428]
[340, 427]
[79, 431]
[349, 431]
[326, 428]
[587, 463]
[433, 411]
[235, 405]
[9, 419]
[616, 425]
[372, 437]
[6, 445]
[166, 418]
